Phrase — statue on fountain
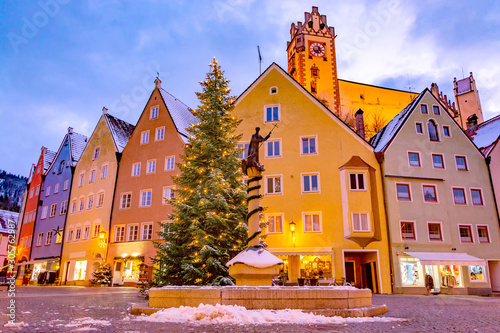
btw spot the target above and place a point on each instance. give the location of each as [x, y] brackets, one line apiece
[252, 160]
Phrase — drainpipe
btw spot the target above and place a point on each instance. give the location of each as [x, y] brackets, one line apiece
[380, 159]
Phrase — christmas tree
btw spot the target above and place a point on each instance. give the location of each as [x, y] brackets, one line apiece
[208, 226]
[102, 275]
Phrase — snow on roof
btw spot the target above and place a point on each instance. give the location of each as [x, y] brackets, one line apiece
[380, 140]
[48, 157]
[486, 134]
[120, 131]
[5, 217]
[180, 113]
[255, 257]
[77, 144]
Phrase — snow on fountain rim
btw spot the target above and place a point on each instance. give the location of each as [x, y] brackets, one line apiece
[256, 257]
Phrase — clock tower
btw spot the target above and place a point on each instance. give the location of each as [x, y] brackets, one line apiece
[311, 58]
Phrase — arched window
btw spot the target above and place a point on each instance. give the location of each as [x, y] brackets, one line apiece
[432, 129]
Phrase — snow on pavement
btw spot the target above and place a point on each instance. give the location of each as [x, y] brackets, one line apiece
[233, 314]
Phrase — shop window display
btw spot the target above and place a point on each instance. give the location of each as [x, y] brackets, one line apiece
[80, 270]
[131, 271]
[312, 266]
[476, 273]
[411, 273]
[450, 276]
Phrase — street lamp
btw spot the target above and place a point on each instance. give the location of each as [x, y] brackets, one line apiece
[102, 238]
[292, 229]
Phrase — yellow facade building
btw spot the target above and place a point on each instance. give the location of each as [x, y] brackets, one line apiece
[91, 199]
[322, 186]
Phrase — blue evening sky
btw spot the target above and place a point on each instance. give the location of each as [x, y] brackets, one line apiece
[63, 60]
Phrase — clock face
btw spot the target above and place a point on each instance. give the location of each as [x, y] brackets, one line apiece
[317, 49]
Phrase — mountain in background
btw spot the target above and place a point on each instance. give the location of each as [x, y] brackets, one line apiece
[12, 188]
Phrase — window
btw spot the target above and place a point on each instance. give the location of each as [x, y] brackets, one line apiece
[70, 235]
[483, 234]
[56, 188]
[243, 148]
[423, 109]
[78, 234]
[273, 185]
[145, 198]
[133, 233]
[168, 194]
[82, 204]
[82, 179]
[273, 148]
[429, 193]
[437, 161]
[275, 223]
[73, 206]
[153, 113]
[435, 233]
[151, 166]
[53, 210]
[104, 171]
[461, 163]
[273, 90]
[403, 192]
[80, 270]
[169, 163]
[61, 167]
[64, 207]
[31, 193]
[92, 176]
[120, 234]
[47, 191]
[48, 239]
[465, 234]
[59, 236]
[357, 181]
[308, 146]
[39, 239]
[160, 133]
[136, 169]
[436, 111]
[97, 230]
[272, 113]
[66, 184]
[414, 159]
[45, 210]
[144, 137]
[97, 150]
[147, 231]
[360, 222]
[419, 127]
[446, 131]
[37, 190]
[432, 129]
[125, 200]
[86, 232]
[408, 230]
[100, 199]
[310, 183]
[459, 196]
[312, 222]
[90, 202]
[476, 274]
[477, 197]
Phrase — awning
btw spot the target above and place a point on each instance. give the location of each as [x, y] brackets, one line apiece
[447, 258]
[301, 251]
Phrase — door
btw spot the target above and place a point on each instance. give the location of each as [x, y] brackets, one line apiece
[349, 272]
[494, 267]
[368, 276]
[67, 272]
[117, 274]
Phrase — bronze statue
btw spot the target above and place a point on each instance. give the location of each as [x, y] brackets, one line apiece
[252, 160]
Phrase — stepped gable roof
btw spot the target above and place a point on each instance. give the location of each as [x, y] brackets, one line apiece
[181, 113]
[120, 131]
[77, 144]
[382, 139]
[486, 135]
[48, 158]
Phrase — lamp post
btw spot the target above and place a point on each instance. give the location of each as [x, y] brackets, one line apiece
[292, 229]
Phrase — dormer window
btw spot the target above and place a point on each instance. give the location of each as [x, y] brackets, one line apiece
[432, 129]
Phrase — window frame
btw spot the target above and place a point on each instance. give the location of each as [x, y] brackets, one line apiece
[271, 90]
[469, 226]
[90, 201]
[487, 233]
[419, 159]
[311, 213]
[143, 224]
[78, 233]
[144, 138]
[157, 130]
[358, 173]
[74, 204]
[69, 235]
[152, 113]
[449, 131]
[134, 165]
[274, 215]
[434, 106]
[96, 229]
[100, 199]
[141, 197]
[86, 231]
[422, 106]
[442, 160]
[115, 238]
[308, 137]
[129, 201]
[81, 206]
[64, 206]
[166, 167]
[129, 233]
[92, 174]
[48, 238]
[480, 196]
[302, 181]
[243, 153]
[414, 224]
[163, 194]
[408, 185]
[273, 141]
[97, 151]
[436, 127]
[104, 170]
[435, 192]
[441, 234]
[266, 184]
[56, 188]
[464, 191]
[272, 106]
[53, 209]
[421, 127]
[66, 185]
[45, 211]
[81, 178]
[47, 190]
[39, 239]
[367, 219]
[465, 161]
[148, 166]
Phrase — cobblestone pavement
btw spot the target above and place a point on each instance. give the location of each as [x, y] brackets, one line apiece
[61, 309]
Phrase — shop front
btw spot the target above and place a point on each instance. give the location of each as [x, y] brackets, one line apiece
[126, 270]
[447, 273]
[41, 272]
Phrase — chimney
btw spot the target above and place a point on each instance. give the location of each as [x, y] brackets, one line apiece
[360, 123]
[435, 90]
[70, 130]
[104, 110]
[471, 122]
[158, 83]
[44, 150]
